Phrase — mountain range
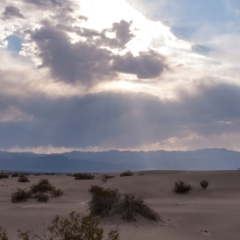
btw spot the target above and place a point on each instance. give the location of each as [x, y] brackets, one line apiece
[116, 161]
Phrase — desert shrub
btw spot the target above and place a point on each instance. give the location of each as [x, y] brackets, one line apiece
[182, 187]
[42, 186]
[21, 195]
[104, 200]
[75, 227]
[126, 173]
[4, 175]
[204, 184]
[105, 177]
[3, 234]
[15, 175]
[41, 197]
[83, 176]
[131, 205]
[57, 192]
[23, 178]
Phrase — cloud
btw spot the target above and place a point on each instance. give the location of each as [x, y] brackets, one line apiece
[146, 65]
[11, 12]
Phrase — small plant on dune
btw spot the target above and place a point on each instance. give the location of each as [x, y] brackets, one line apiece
[42, 186]
[105, 177]
[107, 202]
[3, 234]
[182, 187]
[75, 227]
[4, 175]
[126, 173]
[41, 197]
[22, 178]
[131, 205]
[83, 176]
[104, 200]
[57, 192]
[21, 195]
[204, 184]
[15, 175]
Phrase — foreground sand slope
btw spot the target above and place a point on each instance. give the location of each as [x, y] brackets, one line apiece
[201, 214]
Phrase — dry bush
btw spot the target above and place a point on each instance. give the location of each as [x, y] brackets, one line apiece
[42, 186]
[182, 187]
[21, 195]
[105, 177]
[23, 178]
[57, 192]
[76, 227]
[131, 205]
[126, 174]
[107, 202]
[83, 176]
[4, 175]
[204, 184]
[15, 174]
[41, 197]
[104, 200]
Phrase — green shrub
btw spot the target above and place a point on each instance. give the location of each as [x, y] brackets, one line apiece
[106, 202]
[4, 175]
[76, 227]
[182, 187]
[204, 184]
[126, 174]
[83, 176]
[41, 197]
[21, 195]
[23, 178]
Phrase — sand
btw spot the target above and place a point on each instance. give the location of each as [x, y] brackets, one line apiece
[201, 214]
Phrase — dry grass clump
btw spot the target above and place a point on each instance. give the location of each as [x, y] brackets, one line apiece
[107, 202]
[23, 178]
[182, 187]
[83, 176]
[105, 177]
[126, 173]
[75, 227]
[204, 184]
[15, 175]
[40, 191]
[21, 195]
[4, 175]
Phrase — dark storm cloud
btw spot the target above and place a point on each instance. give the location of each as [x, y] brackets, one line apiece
[146, 65]
[11, 12]
[88, 63]
[121, 120]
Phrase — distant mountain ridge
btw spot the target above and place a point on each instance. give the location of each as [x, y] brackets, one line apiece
[114, 161]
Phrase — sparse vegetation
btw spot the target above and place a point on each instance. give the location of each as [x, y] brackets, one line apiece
[42, 186]
[41, 197]
[22, 178]
[204, 184]
[106, 202]
[4, 175]
[76, 227]
[15, 175]
[21, 195]
[182, 187]
[126, 173]
[105, 177]
[83, 176]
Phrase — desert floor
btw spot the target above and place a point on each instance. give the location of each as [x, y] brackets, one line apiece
[213, 213]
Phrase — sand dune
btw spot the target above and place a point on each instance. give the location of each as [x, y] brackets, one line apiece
[201, 214]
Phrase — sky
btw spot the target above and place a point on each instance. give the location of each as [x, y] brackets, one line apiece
[140, 75]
